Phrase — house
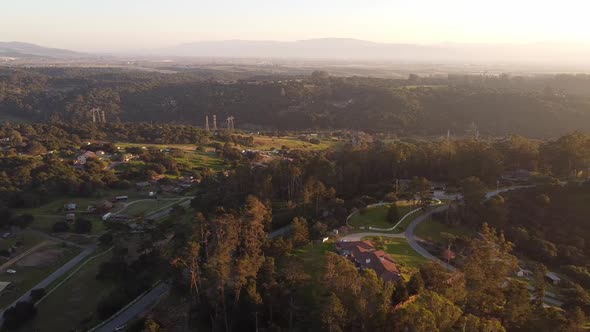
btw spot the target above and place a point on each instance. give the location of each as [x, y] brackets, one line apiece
[104, 206]
[81, 160]
[365, 256]
[70, 207]
[553, 278]
[127, 157]
[524, 273]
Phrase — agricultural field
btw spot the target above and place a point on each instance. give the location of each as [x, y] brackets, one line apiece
[33, 268]
[72, 306]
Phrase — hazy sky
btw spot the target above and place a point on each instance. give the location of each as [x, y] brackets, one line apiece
[93, 25]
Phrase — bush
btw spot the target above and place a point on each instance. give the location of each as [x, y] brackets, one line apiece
[111, 304]
[314, 141]
[60, 227]
[106, 239]
[23, 221]
[16, 316]
[37, 294]
[82, 226]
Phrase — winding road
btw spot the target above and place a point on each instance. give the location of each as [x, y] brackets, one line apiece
[409, 235]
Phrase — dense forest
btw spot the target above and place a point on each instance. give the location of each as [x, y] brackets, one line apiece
[537, 106]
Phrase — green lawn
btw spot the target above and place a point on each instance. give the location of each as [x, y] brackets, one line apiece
[198, 159]
[377, 217]
[431, 230]
[314, 257]
[144, 207]
[27, 277]
[73, 305]
[403, 254]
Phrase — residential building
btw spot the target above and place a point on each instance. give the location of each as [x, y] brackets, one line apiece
[366, 256]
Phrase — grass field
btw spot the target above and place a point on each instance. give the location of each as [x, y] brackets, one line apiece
[431, 230]
[72, 307]
[48, 214]
[144, 207]
[268, 143]
[33, 268]
[314, 257]
[403, 254]
[191, 159]
[377, 217]
[29, 240]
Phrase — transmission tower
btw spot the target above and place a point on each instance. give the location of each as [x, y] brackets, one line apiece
[230, 123]
[214, 122]
[98, 115]
[207, 123]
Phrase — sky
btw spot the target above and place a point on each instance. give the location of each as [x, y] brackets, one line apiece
[111, 25]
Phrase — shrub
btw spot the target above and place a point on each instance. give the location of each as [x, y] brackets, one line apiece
[60, 226]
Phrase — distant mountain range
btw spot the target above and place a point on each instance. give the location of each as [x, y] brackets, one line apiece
[342, 49]
[354, 49]
[31, 51]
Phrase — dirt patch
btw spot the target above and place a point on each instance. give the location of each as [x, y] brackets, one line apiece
[42, 258]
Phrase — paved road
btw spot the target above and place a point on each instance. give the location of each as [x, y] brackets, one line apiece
[145, 303]
[165, 212]
[413, 242]
[55, 275]
[280, 232]
[360, 236]
[550, 298]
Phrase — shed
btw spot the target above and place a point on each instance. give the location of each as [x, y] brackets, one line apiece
[553, 278]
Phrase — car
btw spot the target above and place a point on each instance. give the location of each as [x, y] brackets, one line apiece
[120, 328]
[5, 235]
[11, 271]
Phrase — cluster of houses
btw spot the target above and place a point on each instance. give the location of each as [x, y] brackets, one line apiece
[365, 256]
[550, 277]
[100, 155]
[153, 187]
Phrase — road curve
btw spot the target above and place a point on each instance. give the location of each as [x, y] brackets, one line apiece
[413, 242]
[139, 307]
